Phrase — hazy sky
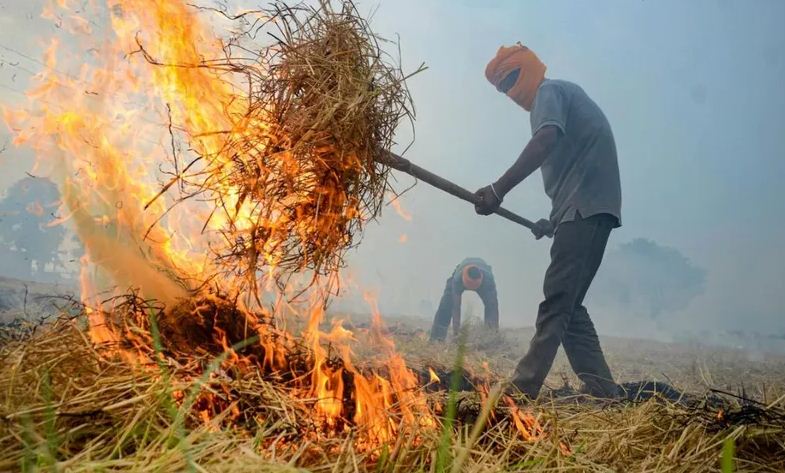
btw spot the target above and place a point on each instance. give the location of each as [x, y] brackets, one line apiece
[694, 93]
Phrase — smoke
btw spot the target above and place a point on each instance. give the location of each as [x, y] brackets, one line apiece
[643, 277]
[30, 246]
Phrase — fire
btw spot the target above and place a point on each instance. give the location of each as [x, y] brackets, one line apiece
[434, 378]
[396, 204]
[97, 133]
[528, 425]
[120, 128]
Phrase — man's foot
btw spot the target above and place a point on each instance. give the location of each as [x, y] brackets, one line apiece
[517, 392]
[602, 390]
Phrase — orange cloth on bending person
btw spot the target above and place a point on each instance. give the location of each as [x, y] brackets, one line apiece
[470, 283]
[532, 72]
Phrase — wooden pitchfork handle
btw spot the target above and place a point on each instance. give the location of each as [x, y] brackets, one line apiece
[404, 165]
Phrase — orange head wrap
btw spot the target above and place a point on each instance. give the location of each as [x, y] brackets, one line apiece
[469, 282]
[532, 72]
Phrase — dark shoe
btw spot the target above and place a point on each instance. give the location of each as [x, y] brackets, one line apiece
[518, 390]
[602, 390]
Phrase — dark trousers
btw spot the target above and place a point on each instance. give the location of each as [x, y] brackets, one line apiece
[450, 307]
[576, 254]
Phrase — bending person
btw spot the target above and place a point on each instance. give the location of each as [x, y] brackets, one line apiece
[473, 274]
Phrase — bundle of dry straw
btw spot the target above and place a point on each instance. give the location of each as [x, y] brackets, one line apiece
[299, 175]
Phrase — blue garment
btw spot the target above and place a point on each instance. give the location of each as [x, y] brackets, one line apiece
[450, 304]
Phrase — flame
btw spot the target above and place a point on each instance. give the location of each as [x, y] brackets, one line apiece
[528, 425]
[374, 396]
[110, 128]
[97, 133]
[396, 204]
[434, 378]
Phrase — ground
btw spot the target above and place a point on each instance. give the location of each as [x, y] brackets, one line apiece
[28, 299]
[690, 367]
[66, 407]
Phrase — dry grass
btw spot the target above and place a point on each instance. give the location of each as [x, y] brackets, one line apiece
[298, 175]
[689, 367]
[295, 177]
[66, 407]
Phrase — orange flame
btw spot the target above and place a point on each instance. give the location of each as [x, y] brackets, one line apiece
[434, 378]
[528, 425]
[103, 126]
[396, 204]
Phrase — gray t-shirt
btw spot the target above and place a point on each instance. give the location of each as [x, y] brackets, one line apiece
[582, 174]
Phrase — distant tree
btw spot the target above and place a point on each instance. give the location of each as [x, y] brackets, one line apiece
[648, 278]
[26, 237]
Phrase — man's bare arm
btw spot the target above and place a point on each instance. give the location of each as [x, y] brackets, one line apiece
[530, 159]
[490, 197]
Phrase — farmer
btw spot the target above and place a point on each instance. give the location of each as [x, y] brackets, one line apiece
[473, 274]
[573, 146]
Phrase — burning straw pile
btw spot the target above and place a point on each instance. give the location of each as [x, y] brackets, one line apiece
[64, 406]
[300, 174]
[289, 168]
